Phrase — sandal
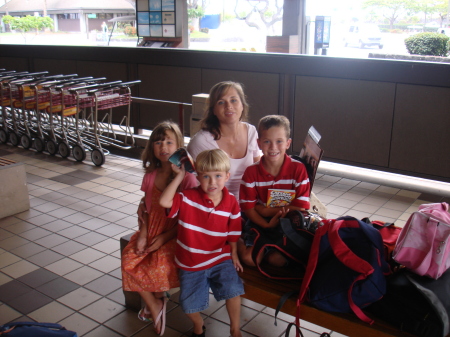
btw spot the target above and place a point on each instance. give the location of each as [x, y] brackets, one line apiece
[201, 335]
[142, 316]
[161, 317]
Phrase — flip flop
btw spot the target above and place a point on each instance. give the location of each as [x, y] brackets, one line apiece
[161, 317]
[143, 318]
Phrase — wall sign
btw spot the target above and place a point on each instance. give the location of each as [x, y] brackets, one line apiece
[156, 18]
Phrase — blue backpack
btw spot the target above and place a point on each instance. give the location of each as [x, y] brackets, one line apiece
[346, 269]
[35, 329]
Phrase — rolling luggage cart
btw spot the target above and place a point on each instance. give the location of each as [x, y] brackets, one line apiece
[107, 99]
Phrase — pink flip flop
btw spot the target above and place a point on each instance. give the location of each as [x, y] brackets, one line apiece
[161, 317]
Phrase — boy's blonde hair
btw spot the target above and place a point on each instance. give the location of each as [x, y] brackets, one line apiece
[270, 121]
[212, 160]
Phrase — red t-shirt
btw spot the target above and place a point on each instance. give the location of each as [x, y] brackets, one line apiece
[204, 230]
[256, 183]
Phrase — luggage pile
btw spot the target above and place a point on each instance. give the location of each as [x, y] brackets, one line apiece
[60, 113]
[379, 271]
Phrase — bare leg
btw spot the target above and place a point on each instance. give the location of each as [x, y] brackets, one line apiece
[276, 259]
[245, 253]
[153, 304]
[197, 319]
[234, 312]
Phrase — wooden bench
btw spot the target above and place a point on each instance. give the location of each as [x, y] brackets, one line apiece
[267, 292]
[13, 188]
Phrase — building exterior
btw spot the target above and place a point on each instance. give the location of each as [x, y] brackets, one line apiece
[71, 15]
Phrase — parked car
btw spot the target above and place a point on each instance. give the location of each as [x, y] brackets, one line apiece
[444, 30]
[363, 35]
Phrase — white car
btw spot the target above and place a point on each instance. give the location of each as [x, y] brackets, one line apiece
[363, 35]
[444, 30]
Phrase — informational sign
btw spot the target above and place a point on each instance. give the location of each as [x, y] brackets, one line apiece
[156, 18]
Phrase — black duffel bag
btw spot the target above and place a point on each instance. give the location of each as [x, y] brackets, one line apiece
[416, 304]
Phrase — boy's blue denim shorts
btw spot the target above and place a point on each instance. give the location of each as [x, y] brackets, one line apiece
[222, 278]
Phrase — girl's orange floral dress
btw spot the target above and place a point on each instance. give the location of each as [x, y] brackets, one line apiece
[155, 271]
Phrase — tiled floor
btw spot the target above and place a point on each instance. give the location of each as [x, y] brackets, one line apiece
[60, 261]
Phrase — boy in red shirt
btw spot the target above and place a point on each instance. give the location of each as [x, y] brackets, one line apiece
[275, 170]
[209, 226]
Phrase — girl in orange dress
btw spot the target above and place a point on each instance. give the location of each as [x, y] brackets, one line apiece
[148, 265]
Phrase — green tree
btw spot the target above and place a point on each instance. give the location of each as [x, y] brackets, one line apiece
[390, 9]
[28, 24]
[430, 7]
[265, 13]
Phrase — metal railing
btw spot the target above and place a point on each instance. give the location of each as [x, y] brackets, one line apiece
[180, 105]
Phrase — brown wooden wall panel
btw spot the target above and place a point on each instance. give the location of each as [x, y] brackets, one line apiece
[353, 117]
[262, 89]
[421, 136]
[59, 67]
[14, 63]
[169, 84]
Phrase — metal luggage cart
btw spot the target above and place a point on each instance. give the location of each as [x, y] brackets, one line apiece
[58, 121]
[10, 95]
[95, 134]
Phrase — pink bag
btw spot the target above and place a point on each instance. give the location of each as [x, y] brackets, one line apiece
[423, 244]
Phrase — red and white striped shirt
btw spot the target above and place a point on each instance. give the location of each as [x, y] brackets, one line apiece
[256, 183]
[204, 230]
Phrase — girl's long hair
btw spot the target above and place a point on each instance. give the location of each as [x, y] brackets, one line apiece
[149, 160]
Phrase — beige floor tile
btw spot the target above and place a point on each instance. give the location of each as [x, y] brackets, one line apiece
[390, 213]
[8, 314]
[19, 227]
[343, 203]
[108, 246]
[87, 255]
[4, 279]
[52, 240]
[387, 189]
[365, 208]
[63, 266]
[90, 186]
[102, 310]
[78, 323]
[125, 323]
[7, 259]
[19, 269]
[102, 180]
[79, 298]
[52, 312]
[262, 325]
[115, 193]
[106, 264]
[35, 234]
[83, 275]
[102, 331]
[411, 194]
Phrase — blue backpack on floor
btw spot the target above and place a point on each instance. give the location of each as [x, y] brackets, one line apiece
[34, 329]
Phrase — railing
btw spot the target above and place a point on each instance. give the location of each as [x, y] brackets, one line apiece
[181, 106]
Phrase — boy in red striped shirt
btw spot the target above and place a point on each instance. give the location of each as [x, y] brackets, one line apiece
[209, 226]
[275, 170]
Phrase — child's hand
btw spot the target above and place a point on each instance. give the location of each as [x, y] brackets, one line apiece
[280, 214]
[236, 262]
[141, 244]
[157, 242]
[178, 170]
